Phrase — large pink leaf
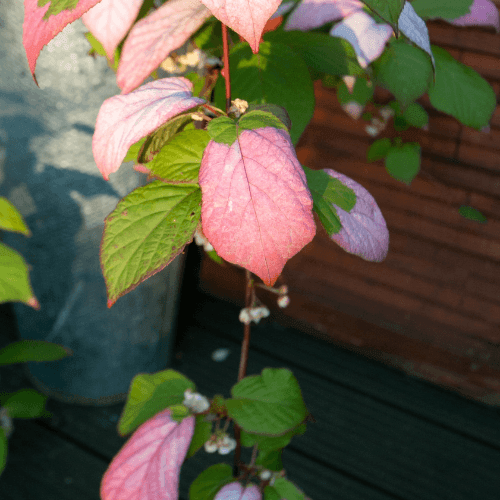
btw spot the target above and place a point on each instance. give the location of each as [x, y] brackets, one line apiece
[124, 119]
[153, 38]
[37, 33]
[148, 465]
[482, 13]
[313, 13]
[246, 17]
[235, 491]
[110, 20]
[256, 206]
[366, 36]
[364, 231]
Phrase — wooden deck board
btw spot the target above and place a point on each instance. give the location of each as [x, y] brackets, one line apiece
[379, 434]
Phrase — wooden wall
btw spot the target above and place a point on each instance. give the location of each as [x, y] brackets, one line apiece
[432, 308]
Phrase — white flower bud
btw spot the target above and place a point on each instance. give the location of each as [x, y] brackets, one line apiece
[371, 130]
[226, 445]
[240, 105]
[198, 116]
[386, 112]
[210, 446]
[245, 316]
[195, 401]
[265, 475]
[283, 301]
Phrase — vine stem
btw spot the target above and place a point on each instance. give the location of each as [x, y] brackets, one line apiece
[245, 346]
[226, 74]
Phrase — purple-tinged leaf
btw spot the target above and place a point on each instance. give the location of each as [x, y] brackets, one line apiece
[148, 466]
[366, 36]
[246, 17]
[256, 207]
[124, 119]
[110, 20]
[38, 32]
[152, 39]
[313, 13]
[364, 231]
[482, 13]
[235, 491]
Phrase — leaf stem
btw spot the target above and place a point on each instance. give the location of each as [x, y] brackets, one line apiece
[245, 346]
[226, 74]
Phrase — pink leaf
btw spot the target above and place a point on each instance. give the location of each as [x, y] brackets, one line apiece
[124, 119]
[110, 20]
[153, 38]
[482, 13]
[235, 491]
[37, 33]
[364, 231]
[313, 13]
[256, 206]
[148, 465]
[246, 17]
[366, 36]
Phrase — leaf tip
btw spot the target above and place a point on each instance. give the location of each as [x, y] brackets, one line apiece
[110, 303]
[33, 302]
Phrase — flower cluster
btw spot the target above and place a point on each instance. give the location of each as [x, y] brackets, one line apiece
[220, 442]
[195, 401]
[249, 314]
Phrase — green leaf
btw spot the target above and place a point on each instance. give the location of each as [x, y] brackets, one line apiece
[215, 256]
[96, 45]
[133, 151]
[271, 494]
[378, 149]
[147, 230]
[198, 82]
[325, 191]
[222, 130]
[25, 403]
[210, 481]
[461, 92]
[286, 489]
[416, 115]
[278, 111]
[275, 75]
[178, 412]
[202, 433]
[269, 443]
[388, 10]
[404, 70]
[178, 162]
[403, 162]
[209, 37]
[32, 350]
[260, 119]
[14, 277]
[472, 214]
[155, 141]
[57, 6]
[269, 404]
[270, 459]
[150, 394]
[4, 446]
[400, 123]
[361, 93]
[446, 9]
[320, 51]
[11, 219]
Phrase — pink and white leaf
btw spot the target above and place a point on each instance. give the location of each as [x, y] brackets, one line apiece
[364, 231]
[246, 17]
[482, 13]
[37, 32]
[110, 20]
[124, 119]
[152, 39]
[256, 206]
[148, 465]
[235, 491]
[311, 14]
[366, 36]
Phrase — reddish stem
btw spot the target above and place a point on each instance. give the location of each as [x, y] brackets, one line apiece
[226, 74]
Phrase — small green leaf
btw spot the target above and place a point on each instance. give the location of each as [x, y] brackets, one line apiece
[270, 459]
[57, 6]
[198, 82]
[278, 111]
[96, 45]
[155, 141]
[180, 159]
[472, 214]
[446, 9]
[11, 219]
[326, 191]
[178, 412]
[461, 92]
[403, 162]
[150, 394]
[416, 115]
[133, 151]
[215, 257]
[286, 489]
[400, 123]
[259, 119]
[404, 70]
[209, 37]
[202, 433]
[378, 149]
[210, 481]
[25, 403]
[222, 130]
[4, 446]
[268, 443]
[361, 93]
[269, 404]
[388, 10]
[271, 494]
[32, 350]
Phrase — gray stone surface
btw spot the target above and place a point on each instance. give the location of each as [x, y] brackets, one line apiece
[48, 171]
